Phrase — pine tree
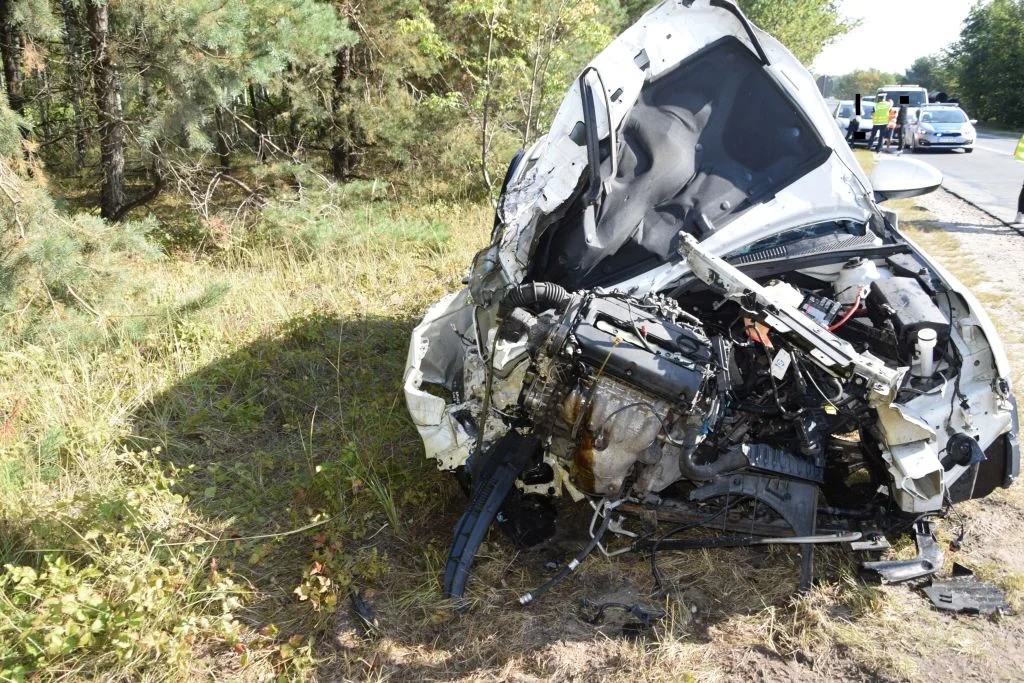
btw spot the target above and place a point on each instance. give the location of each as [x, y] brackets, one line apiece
[107, 84]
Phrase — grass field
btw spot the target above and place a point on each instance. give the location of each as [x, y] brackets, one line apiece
[196, 475]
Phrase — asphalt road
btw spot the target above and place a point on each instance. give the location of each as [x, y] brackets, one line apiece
[989, 177]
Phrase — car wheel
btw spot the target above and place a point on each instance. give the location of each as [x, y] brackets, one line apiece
[968, 150]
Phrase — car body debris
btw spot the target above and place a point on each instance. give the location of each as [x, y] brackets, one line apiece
[928, 561]
[964, 593]
[695, 309]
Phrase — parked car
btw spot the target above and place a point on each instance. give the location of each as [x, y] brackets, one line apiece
[941, 126]
[695, 310]
[843, 112]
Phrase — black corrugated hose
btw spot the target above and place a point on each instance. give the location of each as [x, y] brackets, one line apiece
[537, 296]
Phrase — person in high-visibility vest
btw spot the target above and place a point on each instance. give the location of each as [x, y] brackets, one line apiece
[1018, 154]
[880, 122]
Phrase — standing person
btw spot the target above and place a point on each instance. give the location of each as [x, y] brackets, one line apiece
[852, 128]
[901, 125]
[1018, 154]
[880, 121]
[890, 128]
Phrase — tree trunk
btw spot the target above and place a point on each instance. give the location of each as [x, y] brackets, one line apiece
[76, 78]
[485, 138]
[45, 100]
[157, 176]
[107, 84]
[341, 151]
[223, 148]
[11, 50]
[261, 125]
[294, 132]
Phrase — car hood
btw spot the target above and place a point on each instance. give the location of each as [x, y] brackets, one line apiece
[706, 125]
[945, 127]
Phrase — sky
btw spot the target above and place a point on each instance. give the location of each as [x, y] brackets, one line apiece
[892, 34]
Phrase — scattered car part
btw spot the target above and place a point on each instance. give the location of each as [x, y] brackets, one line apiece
[928, 560]
[492, 485]
[364, 612]
[871, 543]
[646, 615]
[965, 593]
[694, 309]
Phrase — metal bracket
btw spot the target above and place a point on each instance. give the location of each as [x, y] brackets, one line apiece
[928, 560]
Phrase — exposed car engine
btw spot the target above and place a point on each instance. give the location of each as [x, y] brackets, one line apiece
[617, 386]
[688, 317]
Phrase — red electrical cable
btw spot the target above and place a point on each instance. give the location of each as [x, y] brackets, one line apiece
[849, 314]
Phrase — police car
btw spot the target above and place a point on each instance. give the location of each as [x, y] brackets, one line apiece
[941, 126]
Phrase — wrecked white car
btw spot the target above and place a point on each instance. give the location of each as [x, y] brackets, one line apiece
[693, 309]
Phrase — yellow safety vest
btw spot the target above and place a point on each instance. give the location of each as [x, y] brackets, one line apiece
[1018, 153]
[881, 115]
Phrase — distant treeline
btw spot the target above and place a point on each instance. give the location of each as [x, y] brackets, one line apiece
[138, 97]
[984, 69]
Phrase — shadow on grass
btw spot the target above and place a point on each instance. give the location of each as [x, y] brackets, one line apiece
[309, 425]
[305, 425]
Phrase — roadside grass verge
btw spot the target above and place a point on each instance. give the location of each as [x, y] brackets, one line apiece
[195, 477]
[157, 453]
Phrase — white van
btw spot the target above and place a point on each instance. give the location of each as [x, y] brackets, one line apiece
[918, 95]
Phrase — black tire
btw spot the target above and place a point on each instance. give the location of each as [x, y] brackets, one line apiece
[968, 150]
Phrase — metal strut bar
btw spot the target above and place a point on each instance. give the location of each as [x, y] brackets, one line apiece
[826, 349]
[748, 541]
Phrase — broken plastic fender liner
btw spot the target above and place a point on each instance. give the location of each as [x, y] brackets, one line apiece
[495, 478]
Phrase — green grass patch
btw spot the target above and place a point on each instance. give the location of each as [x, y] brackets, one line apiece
[190, 470]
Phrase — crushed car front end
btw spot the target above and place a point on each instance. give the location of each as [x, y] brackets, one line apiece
[693, 305]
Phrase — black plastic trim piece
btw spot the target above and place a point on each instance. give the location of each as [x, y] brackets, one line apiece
[1002, 460]
[493, 481]
[735, 11]
[593, 141]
